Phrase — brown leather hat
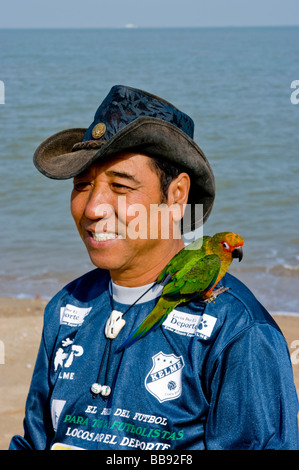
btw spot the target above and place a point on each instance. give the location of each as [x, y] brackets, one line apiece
[132, 120]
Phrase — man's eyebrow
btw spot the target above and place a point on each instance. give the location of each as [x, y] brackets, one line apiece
[122, 174]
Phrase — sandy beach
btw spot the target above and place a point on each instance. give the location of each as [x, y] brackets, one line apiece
[20, 332]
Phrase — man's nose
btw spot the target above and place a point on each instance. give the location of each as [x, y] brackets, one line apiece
[99, 205]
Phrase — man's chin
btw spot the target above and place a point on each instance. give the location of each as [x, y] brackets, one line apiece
[108, 263]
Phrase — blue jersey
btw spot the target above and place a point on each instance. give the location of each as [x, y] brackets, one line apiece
[214, 376]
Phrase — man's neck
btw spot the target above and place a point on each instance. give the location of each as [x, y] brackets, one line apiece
[147, 272]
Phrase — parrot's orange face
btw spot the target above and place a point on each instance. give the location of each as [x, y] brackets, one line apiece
[232, 244]
[226, 245]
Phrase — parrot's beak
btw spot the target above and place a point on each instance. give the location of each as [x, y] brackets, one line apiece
[237, 253]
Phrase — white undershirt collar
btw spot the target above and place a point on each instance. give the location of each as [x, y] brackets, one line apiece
[128, 295]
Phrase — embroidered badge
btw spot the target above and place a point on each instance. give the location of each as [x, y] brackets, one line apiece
[164, 380]
[72, 315]
[190, 325]
[206, 326]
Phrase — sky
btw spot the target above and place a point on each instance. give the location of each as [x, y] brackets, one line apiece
[147, 13]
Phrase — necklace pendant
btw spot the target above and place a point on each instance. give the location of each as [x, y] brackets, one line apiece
[114, 324]
[98, 389]
[106, 390]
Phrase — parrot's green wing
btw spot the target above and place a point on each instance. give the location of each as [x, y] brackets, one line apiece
[197, 277]
[194, 249]
[182, 288]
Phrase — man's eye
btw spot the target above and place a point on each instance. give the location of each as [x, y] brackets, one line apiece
[120, 187]
[81, 186]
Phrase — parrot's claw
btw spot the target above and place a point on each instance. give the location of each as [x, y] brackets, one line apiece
[215, 294]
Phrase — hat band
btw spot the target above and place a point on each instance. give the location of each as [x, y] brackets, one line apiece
[88, 145]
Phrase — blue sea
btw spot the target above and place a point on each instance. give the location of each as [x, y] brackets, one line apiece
[236, 85]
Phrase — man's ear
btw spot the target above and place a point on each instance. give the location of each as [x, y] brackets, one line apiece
[178, 190]
[178, 193]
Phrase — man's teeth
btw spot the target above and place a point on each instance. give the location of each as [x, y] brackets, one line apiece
[101, 236]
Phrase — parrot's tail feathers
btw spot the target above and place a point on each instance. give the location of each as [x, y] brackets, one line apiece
[140, 332]
[131, 339]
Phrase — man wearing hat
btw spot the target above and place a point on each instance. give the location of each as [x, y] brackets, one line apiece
[214, 375]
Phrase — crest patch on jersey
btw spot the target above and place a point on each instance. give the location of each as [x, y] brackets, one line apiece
[164, 380]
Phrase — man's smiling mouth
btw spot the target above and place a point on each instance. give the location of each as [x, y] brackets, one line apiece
[103, 236]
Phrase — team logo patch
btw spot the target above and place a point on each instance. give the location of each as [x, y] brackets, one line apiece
[164, 380]
[190, 325]
[72, 315]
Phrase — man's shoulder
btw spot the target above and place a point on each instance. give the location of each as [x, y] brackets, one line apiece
[241, 320]
[82, 291]
[89, 285]
[239, 301]
[75, 301]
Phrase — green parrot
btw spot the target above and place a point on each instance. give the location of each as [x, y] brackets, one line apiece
[194, 272]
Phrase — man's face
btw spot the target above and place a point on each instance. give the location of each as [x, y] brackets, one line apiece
[103, 204]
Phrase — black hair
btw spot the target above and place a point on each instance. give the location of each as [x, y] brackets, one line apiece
[166, 172]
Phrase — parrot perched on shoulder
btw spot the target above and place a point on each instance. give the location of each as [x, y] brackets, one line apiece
[194, 272]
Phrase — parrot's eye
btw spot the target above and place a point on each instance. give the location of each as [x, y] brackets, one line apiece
[225, 245]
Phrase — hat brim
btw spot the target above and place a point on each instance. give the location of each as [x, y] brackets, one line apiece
[151, 136]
